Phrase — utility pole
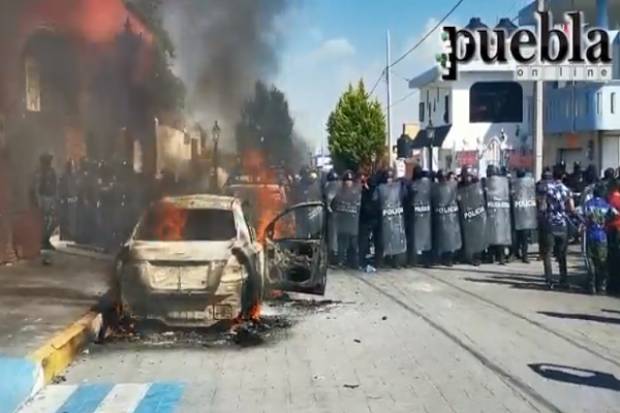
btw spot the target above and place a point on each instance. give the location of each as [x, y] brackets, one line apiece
[539, 131]
[388, 80]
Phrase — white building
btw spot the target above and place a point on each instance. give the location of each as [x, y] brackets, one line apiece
[483, 118]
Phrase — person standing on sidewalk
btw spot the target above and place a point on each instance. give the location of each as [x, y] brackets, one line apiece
[613, 239]
[597, 212]
[554, 201]
[45, 193]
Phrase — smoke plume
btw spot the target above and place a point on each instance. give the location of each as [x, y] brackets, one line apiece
[223, 47]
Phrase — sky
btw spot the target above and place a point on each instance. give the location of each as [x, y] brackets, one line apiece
[331, 43]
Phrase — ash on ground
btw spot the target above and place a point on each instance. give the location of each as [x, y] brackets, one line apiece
[268, 329]
[304, 305]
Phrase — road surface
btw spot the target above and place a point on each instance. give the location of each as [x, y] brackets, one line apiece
[462, 339]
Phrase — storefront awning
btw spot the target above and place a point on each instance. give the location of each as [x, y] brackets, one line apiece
[423, 140]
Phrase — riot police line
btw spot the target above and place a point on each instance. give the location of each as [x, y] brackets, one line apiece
[376, 221]
[93, 203]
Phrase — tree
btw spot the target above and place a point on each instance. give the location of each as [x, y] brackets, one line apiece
[266, 126]
[356, 129]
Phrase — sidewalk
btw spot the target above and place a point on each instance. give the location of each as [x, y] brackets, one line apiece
[45, 317]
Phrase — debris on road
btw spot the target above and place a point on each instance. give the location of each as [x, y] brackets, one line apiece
[351, 386]
[357, 340]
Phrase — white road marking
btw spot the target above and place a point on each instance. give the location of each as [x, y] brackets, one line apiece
[124, 398]
[49, 400]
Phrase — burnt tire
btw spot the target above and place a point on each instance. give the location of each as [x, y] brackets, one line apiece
[252, 289]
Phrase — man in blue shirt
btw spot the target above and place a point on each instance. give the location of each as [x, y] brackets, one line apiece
[554, 201]
[597, 212]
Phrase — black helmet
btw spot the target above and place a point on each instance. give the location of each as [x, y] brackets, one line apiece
[348, 176]
[466, 171]
[609, 173]
[332, 176]
[491, 170]
[440, 175]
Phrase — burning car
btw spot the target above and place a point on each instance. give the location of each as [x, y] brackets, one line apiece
[194, 260]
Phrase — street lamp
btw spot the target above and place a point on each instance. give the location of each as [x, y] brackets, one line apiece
[215, 134]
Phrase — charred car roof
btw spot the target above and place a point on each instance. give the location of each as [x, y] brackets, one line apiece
[201, 201]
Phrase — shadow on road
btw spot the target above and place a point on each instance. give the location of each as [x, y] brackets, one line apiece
[585, 317]
[578, 376]
[611, 311]
[524, 284]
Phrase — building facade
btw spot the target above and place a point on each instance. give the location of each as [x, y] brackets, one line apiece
[582, 119]
[483, 118]
[475, 119]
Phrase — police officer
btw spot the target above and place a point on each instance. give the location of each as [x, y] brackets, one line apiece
[370, 223]
[497, 194]
[523, 195]
[473, 217]
[390, 195]
[68, 195]
[418, 217]
[105, 206]
[124, 192]
[45, 195]
[330, 190]
[346, 206]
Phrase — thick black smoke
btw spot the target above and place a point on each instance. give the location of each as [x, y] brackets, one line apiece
[222, 48]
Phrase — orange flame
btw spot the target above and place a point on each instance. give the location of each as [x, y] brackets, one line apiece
[168, 222]
[266, 204]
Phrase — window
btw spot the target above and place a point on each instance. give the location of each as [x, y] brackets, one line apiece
[446, 113]
[612, 106]
[167, 222]
[496, 102]
[598, 103]
[33, 85]
[421, 115]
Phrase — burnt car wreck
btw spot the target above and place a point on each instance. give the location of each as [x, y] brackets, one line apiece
[194, 260]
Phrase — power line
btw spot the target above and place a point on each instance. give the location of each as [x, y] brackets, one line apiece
[427, 35]
[401, 76]
[376, 83]
[404, 98]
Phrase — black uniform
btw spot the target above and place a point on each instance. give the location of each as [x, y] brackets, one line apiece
[68, 194]
[46, 192]
[346, 208]
[370, 224]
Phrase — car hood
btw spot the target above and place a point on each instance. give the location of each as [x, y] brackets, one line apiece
[181, 250]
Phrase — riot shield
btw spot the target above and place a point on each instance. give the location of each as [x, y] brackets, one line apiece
[420, 217]
[308, 222]
[498, 211]
[446, 226]
[346, 206]
[524, 204]
[330, 190]
[392, 219]
[473, 218]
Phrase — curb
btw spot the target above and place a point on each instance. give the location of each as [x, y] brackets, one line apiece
[56, 355]
[23, 378]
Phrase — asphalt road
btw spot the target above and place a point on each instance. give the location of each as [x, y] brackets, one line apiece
[487, 339]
